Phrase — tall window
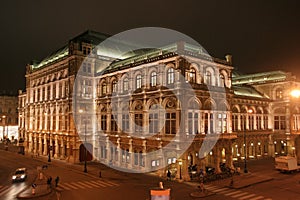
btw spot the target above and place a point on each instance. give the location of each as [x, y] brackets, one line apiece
[104, 88]
[138, 120]
[138, 81]
[208, 78]
[114, 86]
[222, 80]
[153, 80]
[234, 122]
[170, 124]
[125, 85]
[193, 76]
[125, 122]
[153, 123]
[103, 122]
[170, 76]
[113, 123]
[193, 122]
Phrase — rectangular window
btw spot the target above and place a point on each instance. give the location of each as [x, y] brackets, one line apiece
[125, 122]
[113, 123]
[138, 120]
[279, 123]
[153, 123]
[103, 122]
[170, 124]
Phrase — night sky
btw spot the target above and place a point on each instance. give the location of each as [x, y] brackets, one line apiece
[261, 35]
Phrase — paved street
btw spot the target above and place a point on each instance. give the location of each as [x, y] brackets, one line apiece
[115, 185]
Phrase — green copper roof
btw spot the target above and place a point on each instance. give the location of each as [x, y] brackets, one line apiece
[63, 52]
[273, 76]
[246, 91]
[143, 55]
[90, 37]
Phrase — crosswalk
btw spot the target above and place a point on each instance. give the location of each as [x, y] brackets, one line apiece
[235, 194]
[3, 189]
[87, 184]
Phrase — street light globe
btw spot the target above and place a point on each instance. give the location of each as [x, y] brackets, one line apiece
[295, 93]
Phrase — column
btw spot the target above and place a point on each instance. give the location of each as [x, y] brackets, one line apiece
[45, 145]
[62, 147]
[56, 147]
[40, 145]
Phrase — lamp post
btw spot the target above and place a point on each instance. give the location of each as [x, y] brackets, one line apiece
[180, 168]
[85, 151]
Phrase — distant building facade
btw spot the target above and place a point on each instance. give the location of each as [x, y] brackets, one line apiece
[8, 115]
[225, 106]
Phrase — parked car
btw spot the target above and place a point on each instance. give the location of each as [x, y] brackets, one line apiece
[20, 175]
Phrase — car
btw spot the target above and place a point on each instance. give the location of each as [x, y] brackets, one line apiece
[20, 175]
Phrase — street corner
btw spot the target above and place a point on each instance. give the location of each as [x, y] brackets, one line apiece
[199, 194]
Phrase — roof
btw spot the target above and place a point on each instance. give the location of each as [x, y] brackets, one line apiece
[259, 78]
[149, 55]
[247, 91]
[89, 36]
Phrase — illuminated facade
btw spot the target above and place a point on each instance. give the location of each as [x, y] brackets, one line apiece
[8, 116]
[225, 106]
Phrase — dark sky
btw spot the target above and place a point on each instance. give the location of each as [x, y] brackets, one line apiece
[261, 35]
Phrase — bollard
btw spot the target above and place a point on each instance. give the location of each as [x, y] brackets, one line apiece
[41, 176]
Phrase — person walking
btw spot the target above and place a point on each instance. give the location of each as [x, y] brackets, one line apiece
[56, 181]
[169, 175]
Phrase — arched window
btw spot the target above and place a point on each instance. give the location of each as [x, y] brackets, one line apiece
[114, 86]
[222, 80]
[104, 88]
[138, 81]
[279, 93]
[193, 76]
[208, 78]
[153, 79]
[125, 84]
[170, 76]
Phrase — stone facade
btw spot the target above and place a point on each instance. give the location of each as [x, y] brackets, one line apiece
[249, 116]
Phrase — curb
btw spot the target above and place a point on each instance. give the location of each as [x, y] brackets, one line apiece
[247, 185]
[201, 195]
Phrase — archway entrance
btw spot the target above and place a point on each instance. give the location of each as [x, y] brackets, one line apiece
[89, 153]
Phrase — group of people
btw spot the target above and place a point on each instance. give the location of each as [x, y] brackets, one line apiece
[49, 181]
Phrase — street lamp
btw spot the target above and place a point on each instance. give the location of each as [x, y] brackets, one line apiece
[245, 144]
[85, 151]
[180, 166]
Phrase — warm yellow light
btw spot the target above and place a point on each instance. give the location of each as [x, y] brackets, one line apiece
[80, 111]
[295, 93]
[250, 111]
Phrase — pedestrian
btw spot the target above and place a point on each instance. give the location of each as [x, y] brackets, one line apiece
[56, 181]
[33, 188]
[50, 182]
[100, 174]
[169, 175]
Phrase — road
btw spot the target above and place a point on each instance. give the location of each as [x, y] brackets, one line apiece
[114, 185]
